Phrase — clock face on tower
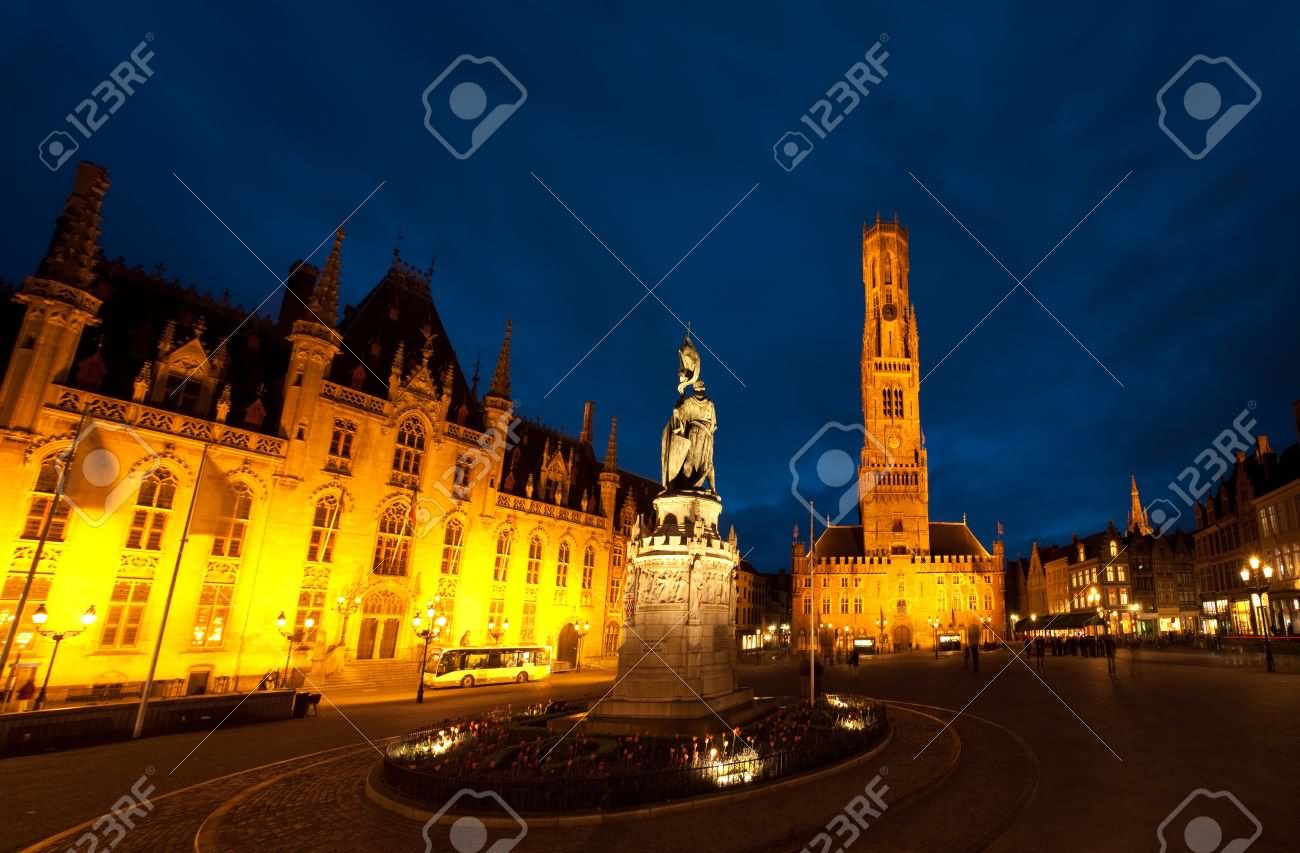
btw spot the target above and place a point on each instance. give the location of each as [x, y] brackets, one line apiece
[890, 312]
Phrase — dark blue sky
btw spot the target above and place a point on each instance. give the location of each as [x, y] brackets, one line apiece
[651, 123]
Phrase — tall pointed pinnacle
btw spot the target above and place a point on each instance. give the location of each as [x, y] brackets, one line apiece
[70, 258]
[1137, 515]
[324, 302]
[500, 386]
[611, 450]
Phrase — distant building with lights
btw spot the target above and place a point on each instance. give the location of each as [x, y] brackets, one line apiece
[1140, 580]
[341, 470]
[896, 578]
[1254, 512]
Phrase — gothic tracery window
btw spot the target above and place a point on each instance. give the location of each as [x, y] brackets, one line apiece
[393, 541]
[409, 448]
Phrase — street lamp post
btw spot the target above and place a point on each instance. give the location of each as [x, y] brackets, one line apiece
[1261, 575]
[582, 631]
[881, 623]
[40, 617]
[933, 622]
[293, 637]
[984, 627]
[437, 621]
[345, 607]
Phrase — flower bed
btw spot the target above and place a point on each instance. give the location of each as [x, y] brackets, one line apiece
[537, 770]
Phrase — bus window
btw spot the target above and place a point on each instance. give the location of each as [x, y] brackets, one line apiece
[450, 662]
[510, 660]
[494, 660]
[475, 660]
[543, 657]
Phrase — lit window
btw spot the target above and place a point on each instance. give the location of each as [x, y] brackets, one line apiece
[501, 562]
[1114, 548]
[310, 604]
[528, 625]
[409, 449]
[451, 539]
[534, 570]
[588, 567]
[153, 505]
[229, 539]
[341, 439]
[562, 565]
[393, 541]
[47, 481]
[213, 611]
[615, 589]
[125, 613]
[610, 645]
[324, 524]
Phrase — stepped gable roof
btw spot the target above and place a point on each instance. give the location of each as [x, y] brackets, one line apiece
[954, 539]
[526, 458]
[138, 305]
[398, 310]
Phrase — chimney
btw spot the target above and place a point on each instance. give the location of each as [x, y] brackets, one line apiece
[588, 408]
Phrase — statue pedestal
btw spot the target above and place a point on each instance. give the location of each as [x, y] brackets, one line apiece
[682, 581]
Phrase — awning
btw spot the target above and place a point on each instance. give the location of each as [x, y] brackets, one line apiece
[1060, 622]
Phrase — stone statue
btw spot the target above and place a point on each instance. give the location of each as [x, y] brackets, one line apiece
[687, 448]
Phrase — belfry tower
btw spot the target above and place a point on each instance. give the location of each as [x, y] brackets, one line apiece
[893, 482]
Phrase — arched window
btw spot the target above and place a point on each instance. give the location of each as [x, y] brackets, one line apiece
[152, 506]
[898, 402]
[501, 564]
[47, 481]
[451, 539]
[229, 538]
[562, 565]
[534, 560]
[610, 646]
[324, 526]
[393, 541]
[409, 448]
[884, 402]
[1114, 548]
[588, 566]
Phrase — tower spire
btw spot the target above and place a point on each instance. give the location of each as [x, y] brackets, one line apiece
[500, 386]
[70, 258]
[324, 301]
[1137, 515]
[611, 450]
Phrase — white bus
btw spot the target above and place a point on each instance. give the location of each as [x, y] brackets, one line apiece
[473, 665]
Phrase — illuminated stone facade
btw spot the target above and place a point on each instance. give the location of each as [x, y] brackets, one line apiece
[349, 474]
[893, 575]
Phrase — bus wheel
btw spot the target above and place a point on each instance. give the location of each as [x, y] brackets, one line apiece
[467, 681]
[521, 678]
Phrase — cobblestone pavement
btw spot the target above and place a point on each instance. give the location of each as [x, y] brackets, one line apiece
[1077, 761]
[300, 809]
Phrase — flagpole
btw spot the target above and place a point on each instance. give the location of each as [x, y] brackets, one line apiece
[46, 524]
[812, 585]
[167, 604]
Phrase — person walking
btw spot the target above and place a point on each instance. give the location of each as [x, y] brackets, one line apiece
[1039, 648]
[975, 657]
[1110, 654]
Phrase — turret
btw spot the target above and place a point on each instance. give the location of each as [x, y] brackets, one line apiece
[59, 304]
[315, 343]
[499, 406]
[609, 478]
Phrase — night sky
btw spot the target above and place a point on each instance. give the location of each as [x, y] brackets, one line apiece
[651, 125]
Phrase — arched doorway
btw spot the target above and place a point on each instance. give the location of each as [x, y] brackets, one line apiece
[381, 621]
[566, 646]
[902, 638]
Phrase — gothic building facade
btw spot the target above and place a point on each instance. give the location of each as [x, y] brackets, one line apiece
[896, 578]
[228, 468]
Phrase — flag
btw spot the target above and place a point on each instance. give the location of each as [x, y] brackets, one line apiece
[1001, 530]
[795, 534]
[217, 506]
